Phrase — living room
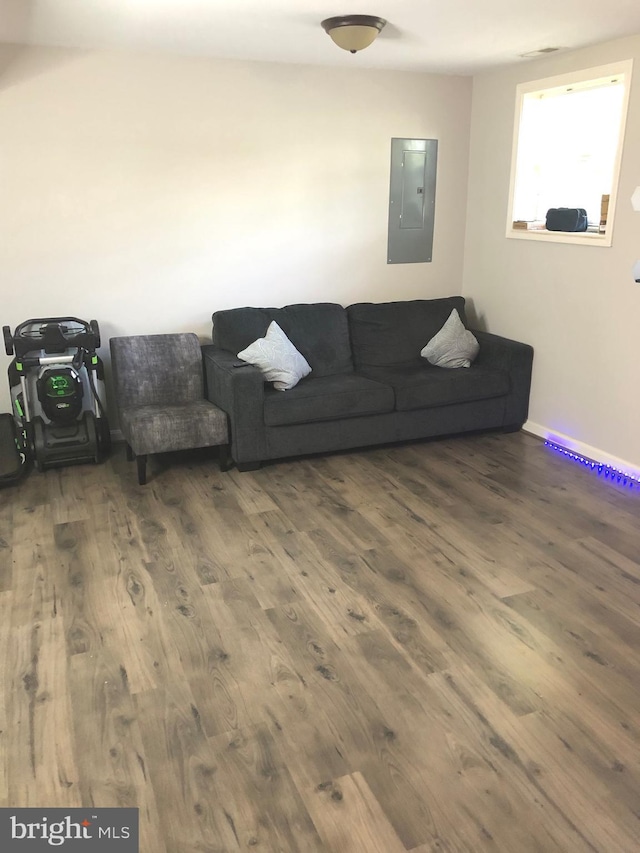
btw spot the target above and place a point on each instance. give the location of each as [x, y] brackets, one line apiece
[149, 189]
[132, 178]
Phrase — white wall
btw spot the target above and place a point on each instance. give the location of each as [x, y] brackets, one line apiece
[148, 192]
[577, 305]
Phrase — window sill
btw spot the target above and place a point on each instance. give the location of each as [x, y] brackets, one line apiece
[584, 238]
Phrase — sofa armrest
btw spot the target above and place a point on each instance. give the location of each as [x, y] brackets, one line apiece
[238, 389]
[516, 359]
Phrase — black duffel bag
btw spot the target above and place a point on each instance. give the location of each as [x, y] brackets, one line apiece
[566, 219]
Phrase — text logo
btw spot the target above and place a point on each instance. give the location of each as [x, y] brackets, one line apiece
[73, 830]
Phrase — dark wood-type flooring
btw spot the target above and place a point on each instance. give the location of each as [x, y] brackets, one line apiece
[432, 647]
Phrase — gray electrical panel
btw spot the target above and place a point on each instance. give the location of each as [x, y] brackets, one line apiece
[412, 200]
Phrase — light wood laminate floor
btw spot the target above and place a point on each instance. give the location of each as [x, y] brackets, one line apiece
[432, 647]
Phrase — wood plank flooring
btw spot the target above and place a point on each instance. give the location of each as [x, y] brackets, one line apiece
[430, 647]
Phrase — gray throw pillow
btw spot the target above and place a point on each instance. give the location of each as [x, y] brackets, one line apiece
[453, 346]
[277, 359]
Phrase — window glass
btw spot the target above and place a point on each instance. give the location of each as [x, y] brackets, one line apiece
[567, 150]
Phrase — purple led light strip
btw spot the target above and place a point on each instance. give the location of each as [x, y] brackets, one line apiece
[607, 471]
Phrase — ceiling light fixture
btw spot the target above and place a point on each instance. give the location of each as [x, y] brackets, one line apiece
[353, 32]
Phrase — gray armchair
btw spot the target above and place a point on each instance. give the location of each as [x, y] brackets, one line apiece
[159, 393]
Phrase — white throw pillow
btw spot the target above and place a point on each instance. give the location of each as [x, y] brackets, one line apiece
[453, 346]
[277, 359]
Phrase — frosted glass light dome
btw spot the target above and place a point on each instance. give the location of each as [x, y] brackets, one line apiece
[353, 32]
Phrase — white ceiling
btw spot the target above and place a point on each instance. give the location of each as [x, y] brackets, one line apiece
[445, 36]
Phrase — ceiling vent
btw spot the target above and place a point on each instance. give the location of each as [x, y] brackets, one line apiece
[539, 52]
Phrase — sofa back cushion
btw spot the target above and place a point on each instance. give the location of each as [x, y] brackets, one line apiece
[319, 331]
[395, 332]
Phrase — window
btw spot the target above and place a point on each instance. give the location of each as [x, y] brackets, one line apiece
[567, 148]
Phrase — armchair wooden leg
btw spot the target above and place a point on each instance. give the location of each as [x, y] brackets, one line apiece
[224, 457]
[142, 469]
[130, 454]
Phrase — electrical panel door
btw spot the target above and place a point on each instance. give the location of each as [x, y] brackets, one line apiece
[412, 200]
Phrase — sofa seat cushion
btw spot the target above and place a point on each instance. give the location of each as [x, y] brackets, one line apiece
[420, 385]
[327, 398]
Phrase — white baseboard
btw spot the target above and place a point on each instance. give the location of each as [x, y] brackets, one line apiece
[586, 450]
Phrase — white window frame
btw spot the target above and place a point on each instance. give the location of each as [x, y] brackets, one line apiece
[585, 238]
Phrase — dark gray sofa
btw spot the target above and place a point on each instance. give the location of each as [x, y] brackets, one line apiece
[368, 383]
